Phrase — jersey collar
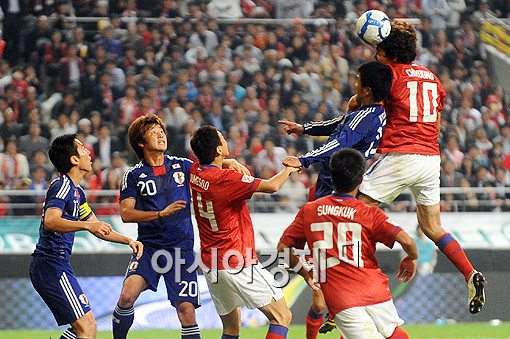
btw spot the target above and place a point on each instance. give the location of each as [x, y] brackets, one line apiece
[343, 195]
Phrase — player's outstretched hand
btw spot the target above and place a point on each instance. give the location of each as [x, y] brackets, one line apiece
[137, 248]
[292, 162]
[99, 228]
[353, 103]
[172, 208]
[407, 269]
[238, 167]
[292, 127]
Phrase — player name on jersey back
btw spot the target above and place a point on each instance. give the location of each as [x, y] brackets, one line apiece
[337, 211]
[196, 180]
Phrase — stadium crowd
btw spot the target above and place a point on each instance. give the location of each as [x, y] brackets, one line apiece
[58, 76]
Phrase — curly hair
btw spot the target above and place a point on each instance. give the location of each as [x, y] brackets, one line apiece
[400, 45]
[138, 128]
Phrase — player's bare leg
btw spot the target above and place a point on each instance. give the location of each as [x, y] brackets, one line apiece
[124, 314]
[279, 316]
[430, 223]
[186, 314]
[83, 328]
[231, 324]
[315, 317]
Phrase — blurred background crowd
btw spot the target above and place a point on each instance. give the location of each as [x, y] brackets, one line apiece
[61, 75]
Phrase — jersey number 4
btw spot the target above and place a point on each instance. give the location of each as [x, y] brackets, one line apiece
[429, 97]
[208, 213]
[348, 243]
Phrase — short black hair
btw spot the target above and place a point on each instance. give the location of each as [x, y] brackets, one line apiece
[204, 143]
[347, 167]
[400, 45]
[61, 151]
[377, 77]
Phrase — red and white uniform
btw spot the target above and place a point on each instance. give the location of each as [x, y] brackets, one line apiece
[225, 228]
[409, 143]
[348, 230]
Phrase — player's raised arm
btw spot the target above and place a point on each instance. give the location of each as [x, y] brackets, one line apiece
[276, 182]
[315, 128]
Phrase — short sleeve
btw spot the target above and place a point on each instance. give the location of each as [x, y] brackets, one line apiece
[128, 186]
[57, 193]
[85, 210]
[294, 235]
[239, 186]
[384, 230]
[187, 164]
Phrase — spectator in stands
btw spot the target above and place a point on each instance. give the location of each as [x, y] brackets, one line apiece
[13, 165]
[33, 141]
[106, 145]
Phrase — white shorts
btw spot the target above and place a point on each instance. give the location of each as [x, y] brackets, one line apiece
[253, 287]
[394, 172]
[377, 321]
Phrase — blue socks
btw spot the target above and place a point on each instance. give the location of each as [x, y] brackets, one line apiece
[226, 336]
[122, 321]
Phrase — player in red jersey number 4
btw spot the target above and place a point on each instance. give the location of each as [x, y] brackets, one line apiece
[227, 241]
[356, 291]
[410, 150]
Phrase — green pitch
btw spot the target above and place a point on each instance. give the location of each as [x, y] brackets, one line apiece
[458, 331]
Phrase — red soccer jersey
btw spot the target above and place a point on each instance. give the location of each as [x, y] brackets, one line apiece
[348, 230]
[222, 214]
[413, 111]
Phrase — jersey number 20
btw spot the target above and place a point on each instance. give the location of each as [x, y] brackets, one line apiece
[429, 97]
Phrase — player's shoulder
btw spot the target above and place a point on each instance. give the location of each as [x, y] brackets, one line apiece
[133, 171]
[60, 187]
[171, 159]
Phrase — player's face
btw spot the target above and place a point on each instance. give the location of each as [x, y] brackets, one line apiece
[381, 56]
[85, 161]
[223, 148]
[155, 139]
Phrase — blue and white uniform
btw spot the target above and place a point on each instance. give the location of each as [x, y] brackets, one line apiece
[360, 129]
[153, 189]
[50, 271]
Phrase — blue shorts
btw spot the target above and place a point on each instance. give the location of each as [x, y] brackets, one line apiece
[59, 289]
[181, 285]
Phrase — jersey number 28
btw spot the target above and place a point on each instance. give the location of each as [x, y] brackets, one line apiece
[429, 97]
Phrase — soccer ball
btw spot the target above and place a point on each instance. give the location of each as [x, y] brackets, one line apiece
[373, 27]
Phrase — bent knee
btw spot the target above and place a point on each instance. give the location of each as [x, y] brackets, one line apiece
[186, 312]
[127, 299]
[282, 317]
[85, 326]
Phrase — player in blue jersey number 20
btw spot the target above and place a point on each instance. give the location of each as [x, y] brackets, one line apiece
[155, 194]
[65, 212]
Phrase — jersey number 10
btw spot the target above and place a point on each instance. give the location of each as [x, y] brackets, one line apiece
[430, 95]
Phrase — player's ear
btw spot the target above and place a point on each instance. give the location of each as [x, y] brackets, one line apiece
[75, 160]
[219, 150]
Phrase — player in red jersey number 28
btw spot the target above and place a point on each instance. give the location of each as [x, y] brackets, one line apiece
[410, 150]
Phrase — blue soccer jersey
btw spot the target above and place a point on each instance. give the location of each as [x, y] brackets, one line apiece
[154, 188]
[50, 270]
[360, 129]
[70, 199]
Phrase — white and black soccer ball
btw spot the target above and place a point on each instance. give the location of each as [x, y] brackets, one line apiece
[373, 27]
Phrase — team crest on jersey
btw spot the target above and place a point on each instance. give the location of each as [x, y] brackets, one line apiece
[247, 179]
[133, 266]
[179, 178]
[83, 299]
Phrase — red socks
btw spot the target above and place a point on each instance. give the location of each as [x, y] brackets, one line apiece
[277, 332]
[399, 334]
[314, 322]
[451, 248]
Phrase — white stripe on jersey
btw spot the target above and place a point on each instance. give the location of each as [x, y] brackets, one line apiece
[323, 149]
[359, 117]
[323, 123]
[69, 335]
[173, 157]
[125, 176]
[65, 185]
[71, 296]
